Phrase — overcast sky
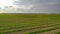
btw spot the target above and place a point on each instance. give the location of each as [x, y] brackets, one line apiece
[37, 6]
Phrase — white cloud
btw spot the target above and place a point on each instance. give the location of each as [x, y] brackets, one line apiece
[4, 3]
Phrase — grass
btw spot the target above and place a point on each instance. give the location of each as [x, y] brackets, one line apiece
[11, 21]
[27, 19]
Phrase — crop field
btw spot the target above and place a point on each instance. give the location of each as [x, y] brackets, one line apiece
[29, 23]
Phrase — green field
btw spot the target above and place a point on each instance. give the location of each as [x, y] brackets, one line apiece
[29, 23]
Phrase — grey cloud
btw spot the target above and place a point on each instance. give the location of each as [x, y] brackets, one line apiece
[41, 6]
[24, 2]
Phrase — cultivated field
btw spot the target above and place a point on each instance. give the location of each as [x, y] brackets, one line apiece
[29, 23]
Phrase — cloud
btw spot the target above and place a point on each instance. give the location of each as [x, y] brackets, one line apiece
[38, 6]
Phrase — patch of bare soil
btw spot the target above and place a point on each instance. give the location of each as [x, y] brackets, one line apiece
[50, 32]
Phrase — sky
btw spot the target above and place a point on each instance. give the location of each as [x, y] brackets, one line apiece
[30, 6]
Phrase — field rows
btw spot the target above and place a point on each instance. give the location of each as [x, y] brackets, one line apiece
[29, 29]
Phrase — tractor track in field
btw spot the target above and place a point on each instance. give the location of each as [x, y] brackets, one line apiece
[30, 30]
[32, 26]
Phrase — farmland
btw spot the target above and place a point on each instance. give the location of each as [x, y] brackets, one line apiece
[29, 23]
